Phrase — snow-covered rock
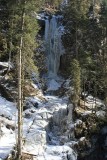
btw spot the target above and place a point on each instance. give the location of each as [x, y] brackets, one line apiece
[6, 65]
[36, 128]
[36, 134]
[101, 114]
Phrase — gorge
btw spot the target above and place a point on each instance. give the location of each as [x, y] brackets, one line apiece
[64, 110]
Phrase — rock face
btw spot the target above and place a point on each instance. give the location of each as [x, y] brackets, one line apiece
[6, 93]
[6, 81]
[53, 129]
[91, 118]
[5, 67]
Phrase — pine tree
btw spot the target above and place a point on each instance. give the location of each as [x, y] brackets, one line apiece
[74, 18]
[83, 36]
[18, 31]
[103, 50]
[76, 81]
[26, 38]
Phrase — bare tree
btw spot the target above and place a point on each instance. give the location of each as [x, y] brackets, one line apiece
[19, 149]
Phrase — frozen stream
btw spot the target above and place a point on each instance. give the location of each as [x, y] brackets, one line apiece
[37, 136]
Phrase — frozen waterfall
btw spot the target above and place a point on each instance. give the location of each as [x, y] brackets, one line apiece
[53, 43]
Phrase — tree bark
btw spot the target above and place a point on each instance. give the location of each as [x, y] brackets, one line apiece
[20, 91]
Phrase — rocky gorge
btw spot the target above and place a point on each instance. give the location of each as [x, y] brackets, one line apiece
[53, 128]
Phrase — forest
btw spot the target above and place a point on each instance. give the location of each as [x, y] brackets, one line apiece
[53, 79]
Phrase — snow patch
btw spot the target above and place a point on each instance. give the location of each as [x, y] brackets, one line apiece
[7, 136]
[53, 85]
[6, 64]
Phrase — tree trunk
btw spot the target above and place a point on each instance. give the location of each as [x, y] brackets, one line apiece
[76, 42]
[20, 91]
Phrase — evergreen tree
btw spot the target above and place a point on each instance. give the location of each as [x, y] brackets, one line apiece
[74, 18]
[103, 50]
[85, 35]
[11, 14]
[76, 81]
[53, 3]
[18, 31]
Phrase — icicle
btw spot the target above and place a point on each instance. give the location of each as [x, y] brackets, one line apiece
[54, 48]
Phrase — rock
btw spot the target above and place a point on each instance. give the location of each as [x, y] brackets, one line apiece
[92, 116]
[5, 93]
[64, 139]
[62, 151]
[28, 115]
[5, 65]
[65, 61]
[27, 156]
[80, 128]
[28, 105]
[104, 130]
[36, 105]
[101, 114]
[83, 146]
[59, 115]
[10, 126]
[29, 90]
[70, 113]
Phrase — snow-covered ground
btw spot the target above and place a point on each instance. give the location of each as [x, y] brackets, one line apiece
[36, 121]
[35, 128]
[36, 134]
[6, 64]
[8, 114]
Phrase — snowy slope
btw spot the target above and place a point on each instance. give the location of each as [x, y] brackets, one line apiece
[7, 118]
[36, 121]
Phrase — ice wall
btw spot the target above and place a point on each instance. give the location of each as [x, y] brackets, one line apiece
[53, 43]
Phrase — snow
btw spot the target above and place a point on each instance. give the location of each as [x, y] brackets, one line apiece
[7, 109]
[57, 149]
[67, 84]
[34, 128]
[92, 101]
[78, 121]
[101, 114]
[41, 16]
[86, 113]
[7, 139]
[57, 153]
[53, 85]
[35, 133]
[6, 64]
[6, 144]
[48, 157]
[82, 139]
[35, 86]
